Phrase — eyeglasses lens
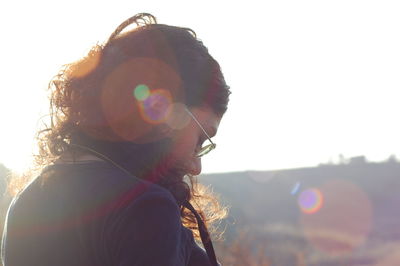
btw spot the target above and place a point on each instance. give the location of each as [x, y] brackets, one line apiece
[206, 149]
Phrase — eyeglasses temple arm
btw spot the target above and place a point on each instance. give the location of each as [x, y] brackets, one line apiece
[198, 123]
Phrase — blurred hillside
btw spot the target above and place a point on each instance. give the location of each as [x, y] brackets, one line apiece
[352, 217]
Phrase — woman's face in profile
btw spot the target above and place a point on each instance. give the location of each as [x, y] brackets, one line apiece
[188, 140]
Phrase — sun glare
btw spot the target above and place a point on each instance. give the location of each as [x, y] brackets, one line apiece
[303, 81]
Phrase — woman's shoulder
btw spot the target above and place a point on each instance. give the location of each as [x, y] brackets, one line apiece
[93, 189]
[94, 194]
[96, 176]
[108, 208]
[107, 183]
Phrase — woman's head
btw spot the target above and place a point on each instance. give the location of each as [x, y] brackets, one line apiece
[136, 89]
[137, 83]
[125, 89]
[142, 99]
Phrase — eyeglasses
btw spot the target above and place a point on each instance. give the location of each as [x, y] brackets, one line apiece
[206, 149]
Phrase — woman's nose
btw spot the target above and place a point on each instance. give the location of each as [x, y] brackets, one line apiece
[194, 167]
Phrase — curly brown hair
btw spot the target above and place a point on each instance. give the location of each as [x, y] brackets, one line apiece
[89, 107]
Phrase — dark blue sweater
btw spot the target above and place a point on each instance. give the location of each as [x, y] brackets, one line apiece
[93, 214]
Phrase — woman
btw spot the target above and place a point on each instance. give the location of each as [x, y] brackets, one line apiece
[128, 124]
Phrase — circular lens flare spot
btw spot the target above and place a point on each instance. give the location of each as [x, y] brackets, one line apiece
[178, 118]
[310, 200]
[141, 92]
[156, 107]
[344, 222]
[129, 115]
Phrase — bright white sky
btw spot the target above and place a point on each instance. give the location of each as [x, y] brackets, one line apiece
[310, 79]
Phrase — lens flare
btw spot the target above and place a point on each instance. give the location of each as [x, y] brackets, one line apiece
[178, 117]
[344, 222]
[156, 107]
[392, 259]
[310, 200]
[141, 92]
[135, 98]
